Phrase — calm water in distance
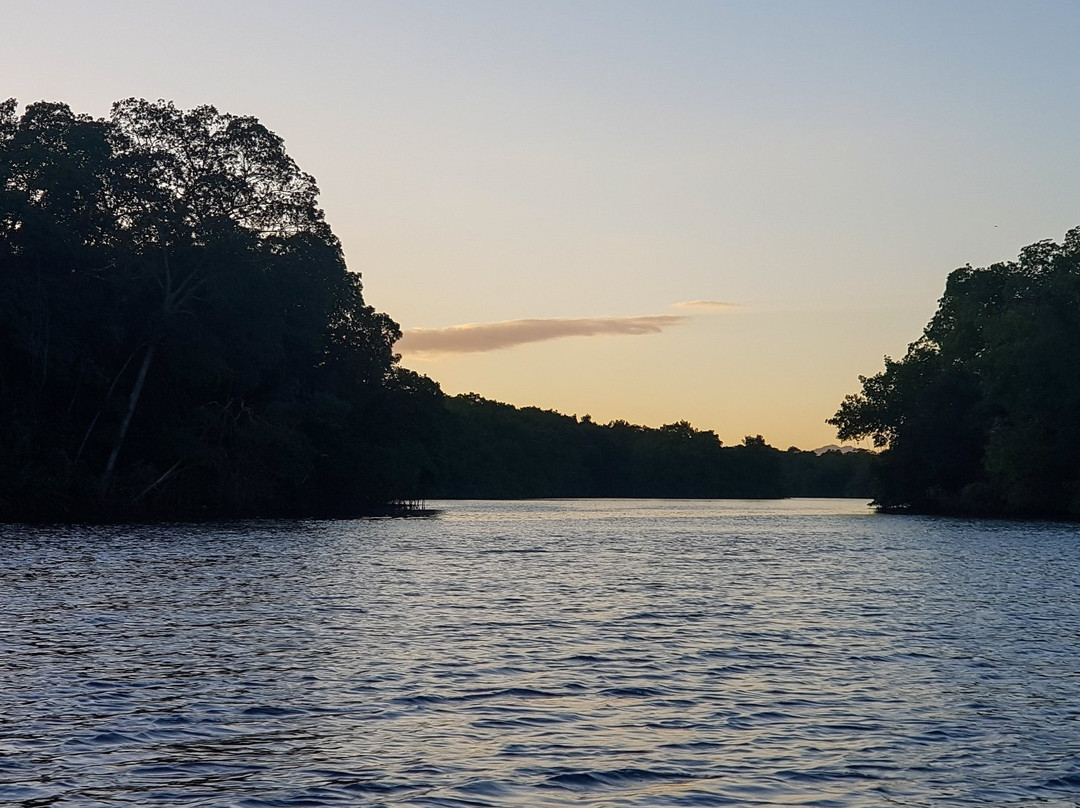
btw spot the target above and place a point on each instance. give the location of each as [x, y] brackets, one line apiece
[546, 653]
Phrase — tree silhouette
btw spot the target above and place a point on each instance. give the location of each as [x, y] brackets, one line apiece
[981, 413]
[176, 314]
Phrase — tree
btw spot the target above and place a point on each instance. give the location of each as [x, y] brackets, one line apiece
[178, 324]
[981, 415]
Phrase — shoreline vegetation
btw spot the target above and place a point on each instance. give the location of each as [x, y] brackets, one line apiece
[981, 417]
[180, 339]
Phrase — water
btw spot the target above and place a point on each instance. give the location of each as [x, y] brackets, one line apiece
[588, 653]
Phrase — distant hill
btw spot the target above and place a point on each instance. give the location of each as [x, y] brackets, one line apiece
[833, 447]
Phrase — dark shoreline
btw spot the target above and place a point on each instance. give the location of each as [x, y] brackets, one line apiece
[105, 518]
[975, 515]
[412, 510]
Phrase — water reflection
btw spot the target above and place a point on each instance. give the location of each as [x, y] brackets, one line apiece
[544, 654]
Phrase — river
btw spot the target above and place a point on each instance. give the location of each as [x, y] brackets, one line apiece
[546, 653]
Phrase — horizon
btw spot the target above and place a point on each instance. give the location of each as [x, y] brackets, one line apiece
[718, 213]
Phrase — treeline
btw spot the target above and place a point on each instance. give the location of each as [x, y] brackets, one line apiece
[494, 450]
[180, 338]
[982, 415]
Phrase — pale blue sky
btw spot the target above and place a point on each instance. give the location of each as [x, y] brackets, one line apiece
[820, 165]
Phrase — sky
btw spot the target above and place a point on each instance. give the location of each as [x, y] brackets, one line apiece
[720, 212]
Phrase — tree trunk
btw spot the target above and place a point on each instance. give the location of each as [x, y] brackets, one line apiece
[133, 402]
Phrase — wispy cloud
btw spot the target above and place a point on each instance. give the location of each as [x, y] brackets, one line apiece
[704, 304]
[480, 337]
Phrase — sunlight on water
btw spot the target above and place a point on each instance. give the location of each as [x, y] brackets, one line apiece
[549, 653]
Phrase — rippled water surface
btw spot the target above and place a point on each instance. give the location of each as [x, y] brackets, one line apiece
[578, 653]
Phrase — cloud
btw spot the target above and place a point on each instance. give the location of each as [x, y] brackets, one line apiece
[705, 304]
[480, 337]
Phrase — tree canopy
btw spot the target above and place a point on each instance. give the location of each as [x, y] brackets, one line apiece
[178, 329]
[982, 415]
[495, 450]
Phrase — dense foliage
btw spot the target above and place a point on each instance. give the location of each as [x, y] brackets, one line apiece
[496, 450]
[983, 413]
[178, 331]
[180, 338]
